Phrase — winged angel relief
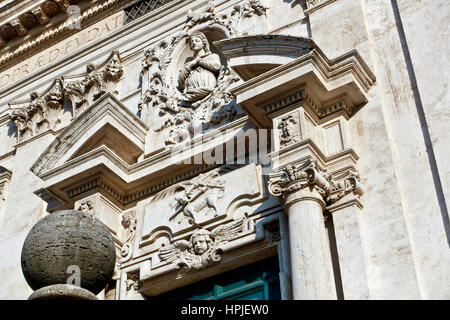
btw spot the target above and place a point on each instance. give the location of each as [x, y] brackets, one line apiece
[203, 249]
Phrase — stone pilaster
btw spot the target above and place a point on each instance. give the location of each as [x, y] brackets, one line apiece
[346, 211]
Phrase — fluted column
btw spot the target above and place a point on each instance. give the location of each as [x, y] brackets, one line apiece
[300, 192]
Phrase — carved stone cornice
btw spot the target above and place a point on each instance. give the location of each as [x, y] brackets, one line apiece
[329, 86]
[310, 176]
[40, 14]
[313, 5]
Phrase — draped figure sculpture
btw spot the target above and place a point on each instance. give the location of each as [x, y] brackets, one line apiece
[198, 78]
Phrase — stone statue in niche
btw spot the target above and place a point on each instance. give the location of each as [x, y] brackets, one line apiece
[198, 78]
[204, 247]
[190, 99]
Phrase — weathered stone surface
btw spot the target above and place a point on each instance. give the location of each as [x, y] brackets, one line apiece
[68, 238]
[62, 292]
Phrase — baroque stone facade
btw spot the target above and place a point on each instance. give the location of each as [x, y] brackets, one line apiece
[208, 135]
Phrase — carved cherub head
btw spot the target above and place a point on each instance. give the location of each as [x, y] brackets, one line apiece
[34, 95]
[198, 41]
[90, 67]
[201, 241]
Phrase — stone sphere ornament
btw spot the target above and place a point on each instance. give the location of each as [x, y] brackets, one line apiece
[69, 246]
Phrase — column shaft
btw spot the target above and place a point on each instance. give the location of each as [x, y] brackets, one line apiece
[312, 274]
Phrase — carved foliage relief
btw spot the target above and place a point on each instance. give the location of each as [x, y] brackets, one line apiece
[43, 112]
[311, 176]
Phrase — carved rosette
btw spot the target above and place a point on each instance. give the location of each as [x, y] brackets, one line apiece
[297, 178]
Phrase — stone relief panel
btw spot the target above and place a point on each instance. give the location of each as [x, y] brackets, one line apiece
[84, 90]
[186, 82]
[41, 113]
[65, 99]
[175, 220]
[129, 223]
[289, 129]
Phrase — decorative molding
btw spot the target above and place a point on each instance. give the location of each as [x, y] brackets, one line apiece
[329, 86]
[42, 13]
[313, 5]
[309, 175]
[40, 114]
[204, 247]
[198, 100]
[248, 8]
[96, 82]
[129, 223]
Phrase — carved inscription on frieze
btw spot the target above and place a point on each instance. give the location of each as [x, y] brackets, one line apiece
[62, 49]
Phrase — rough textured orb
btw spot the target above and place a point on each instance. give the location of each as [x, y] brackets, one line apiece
[68, 238]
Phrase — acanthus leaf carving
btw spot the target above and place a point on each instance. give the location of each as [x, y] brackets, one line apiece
[197, 99]
[249, 8]
[204, 247]
[95, 83]
[45, 112]
[332, 190]
[40, 113]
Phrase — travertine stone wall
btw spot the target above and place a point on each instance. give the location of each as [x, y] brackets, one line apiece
[403, 222]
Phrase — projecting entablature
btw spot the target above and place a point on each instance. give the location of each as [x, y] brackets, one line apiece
[282, 70]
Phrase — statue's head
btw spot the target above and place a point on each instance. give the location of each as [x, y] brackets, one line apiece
[198, 41]
[201, 241]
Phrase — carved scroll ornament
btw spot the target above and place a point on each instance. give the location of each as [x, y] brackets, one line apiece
[295, 179]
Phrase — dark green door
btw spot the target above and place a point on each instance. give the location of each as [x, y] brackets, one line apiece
[257, 281]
